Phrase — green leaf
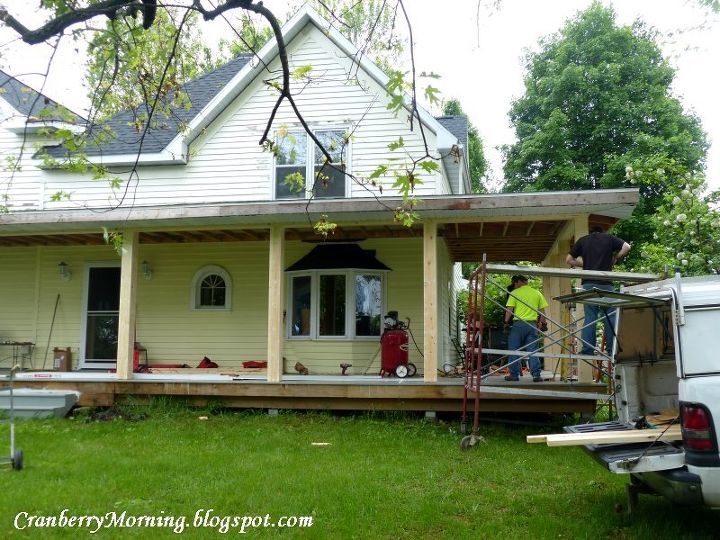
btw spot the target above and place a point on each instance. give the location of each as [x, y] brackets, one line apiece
[295, 182]
[301, 72]
[378, 172]
[396, 103]
[430, 166]
[396, 144]
[431, 94]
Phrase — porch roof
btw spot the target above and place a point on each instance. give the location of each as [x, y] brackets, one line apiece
[508, 226]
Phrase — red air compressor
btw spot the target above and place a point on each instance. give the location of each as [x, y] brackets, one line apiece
[394, 348]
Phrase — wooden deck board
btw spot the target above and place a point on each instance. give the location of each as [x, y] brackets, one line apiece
[332, 393]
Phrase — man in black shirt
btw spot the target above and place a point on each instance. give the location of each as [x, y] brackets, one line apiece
[597, 251]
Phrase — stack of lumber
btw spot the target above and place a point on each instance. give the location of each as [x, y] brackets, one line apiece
[671, 433]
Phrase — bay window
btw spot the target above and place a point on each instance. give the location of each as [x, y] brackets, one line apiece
[336, 304]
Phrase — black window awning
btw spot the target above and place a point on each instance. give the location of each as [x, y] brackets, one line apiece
[338, 256]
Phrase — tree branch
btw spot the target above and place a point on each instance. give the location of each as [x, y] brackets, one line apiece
[60, 23]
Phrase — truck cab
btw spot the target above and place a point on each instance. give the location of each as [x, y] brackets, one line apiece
[666, 370]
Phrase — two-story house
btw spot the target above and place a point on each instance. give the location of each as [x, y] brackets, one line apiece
[219, 257]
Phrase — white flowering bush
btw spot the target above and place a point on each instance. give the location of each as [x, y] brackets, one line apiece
[687, 226]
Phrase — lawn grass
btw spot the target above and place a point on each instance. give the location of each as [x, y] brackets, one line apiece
[380, 477]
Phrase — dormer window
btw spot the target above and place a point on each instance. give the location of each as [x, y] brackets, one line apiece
[301, 166]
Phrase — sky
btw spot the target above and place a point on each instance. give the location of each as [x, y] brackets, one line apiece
[476, 46]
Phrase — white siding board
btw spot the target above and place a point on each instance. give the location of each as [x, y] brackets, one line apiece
[23, 188]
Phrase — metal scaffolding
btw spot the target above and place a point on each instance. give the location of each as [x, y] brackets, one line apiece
[564, 333]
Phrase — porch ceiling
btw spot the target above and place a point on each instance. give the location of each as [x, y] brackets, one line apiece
[501, 240]
[155, 237]
[507, 227]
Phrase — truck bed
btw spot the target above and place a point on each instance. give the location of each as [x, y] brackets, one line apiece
[630, 458]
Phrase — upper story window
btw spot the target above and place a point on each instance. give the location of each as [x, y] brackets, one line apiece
[301, 167]
[212, 289]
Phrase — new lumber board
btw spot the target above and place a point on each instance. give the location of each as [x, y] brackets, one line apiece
[673, 433]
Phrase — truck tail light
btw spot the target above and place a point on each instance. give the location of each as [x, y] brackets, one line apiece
[697, 428]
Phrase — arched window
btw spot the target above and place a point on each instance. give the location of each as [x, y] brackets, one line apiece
[212, 289]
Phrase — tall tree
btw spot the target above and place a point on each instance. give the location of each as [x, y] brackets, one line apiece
[597, 98]
[370, 25]
[475, 152]
[129, 66]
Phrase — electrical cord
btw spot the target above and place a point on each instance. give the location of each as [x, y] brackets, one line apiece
[413, 338]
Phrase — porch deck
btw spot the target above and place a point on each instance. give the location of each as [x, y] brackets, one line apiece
[351, 392]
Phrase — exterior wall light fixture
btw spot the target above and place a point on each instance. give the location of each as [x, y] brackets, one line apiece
[64, 269]
[146, 270]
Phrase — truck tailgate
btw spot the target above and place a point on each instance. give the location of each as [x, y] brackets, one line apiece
[630, 457]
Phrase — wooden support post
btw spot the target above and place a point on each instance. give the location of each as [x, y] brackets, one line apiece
[430, 294]
[584, 369]
[554, 286]
[126, 317]
[275, 303]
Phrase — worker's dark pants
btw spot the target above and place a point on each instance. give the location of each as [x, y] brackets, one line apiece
[523, 335]
[594, 313]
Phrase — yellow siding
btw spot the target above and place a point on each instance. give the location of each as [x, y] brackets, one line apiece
[66, 332]
[17, 298]
[172, 332]
[166, 325]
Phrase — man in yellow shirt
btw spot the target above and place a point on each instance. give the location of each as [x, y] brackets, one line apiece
[526, 310]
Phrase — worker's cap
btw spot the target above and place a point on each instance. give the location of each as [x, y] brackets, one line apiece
[518, 277]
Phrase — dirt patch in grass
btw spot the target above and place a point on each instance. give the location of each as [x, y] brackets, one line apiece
[112, 413]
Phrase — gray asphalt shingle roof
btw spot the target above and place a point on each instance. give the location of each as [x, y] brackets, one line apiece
[457, 125]
[126, 139]
[32, 104]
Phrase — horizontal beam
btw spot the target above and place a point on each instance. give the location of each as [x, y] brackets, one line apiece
[633, 277]
[529, 392]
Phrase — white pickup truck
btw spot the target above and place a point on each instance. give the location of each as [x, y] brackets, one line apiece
[667, 362]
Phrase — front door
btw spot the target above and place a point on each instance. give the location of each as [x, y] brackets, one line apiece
[102, 309]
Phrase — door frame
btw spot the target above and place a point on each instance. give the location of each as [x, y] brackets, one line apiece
[84, 364]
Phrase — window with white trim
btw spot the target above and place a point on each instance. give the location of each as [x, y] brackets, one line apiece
[297, 174]
[336, 304]
[211, 289]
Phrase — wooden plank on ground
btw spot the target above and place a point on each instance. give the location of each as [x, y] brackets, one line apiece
[673, 433]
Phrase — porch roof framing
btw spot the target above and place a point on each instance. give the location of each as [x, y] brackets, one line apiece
[509, 226]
